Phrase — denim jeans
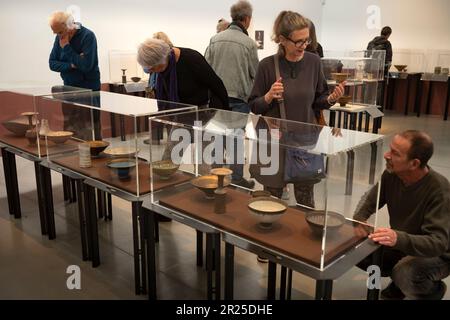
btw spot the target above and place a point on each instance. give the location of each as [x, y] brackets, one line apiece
[237, 105]
[416, 277]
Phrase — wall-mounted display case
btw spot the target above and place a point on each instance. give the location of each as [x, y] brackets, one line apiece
[331, 169]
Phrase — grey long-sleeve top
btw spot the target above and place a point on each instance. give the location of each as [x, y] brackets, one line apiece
[302, 95]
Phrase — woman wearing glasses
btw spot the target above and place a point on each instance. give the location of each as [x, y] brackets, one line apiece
[299, 89]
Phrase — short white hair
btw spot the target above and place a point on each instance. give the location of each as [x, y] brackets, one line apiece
[153, 52]
[62, 18]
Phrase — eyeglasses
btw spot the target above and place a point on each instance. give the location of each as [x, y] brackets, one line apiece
[301, 42]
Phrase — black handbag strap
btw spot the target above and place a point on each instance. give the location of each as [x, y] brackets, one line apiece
[277, 75]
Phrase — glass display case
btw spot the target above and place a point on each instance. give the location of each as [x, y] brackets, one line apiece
[438, 64]
[331, 169]
[102, 136]
[19, 116]
[360, 69]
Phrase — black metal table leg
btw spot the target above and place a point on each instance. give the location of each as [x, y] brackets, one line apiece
[143, 252]
[271, 280]
[149, 222]
[46, 181]
[100, 204]
[217, 259]
[447, 100]
[289, 285]
[353, 121]
[136, 247]
[91, 217]
[41, 199]
[332, 120]
[430, 90]
[407, 95]
[360, 120]
[350, 169]
[199, 248]
[373, 162]
[109, 200]
[12, 185]
[82, 219]
[324, 289]
[229, 271]
[209, 266]
[283, 283]
[65, 187]
[418, 102]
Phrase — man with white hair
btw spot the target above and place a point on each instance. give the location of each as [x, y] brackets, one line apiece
[233, 56]
[74, 53]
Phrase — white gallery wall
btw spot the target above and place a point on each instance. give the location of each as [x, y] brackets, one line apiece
[421, 29]
[26, 38]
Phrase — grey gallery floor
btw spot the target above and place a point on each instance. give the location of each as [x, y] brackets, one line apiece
[33, 267]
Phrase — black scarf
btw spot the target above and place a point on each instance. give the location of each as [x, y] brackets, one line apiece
[238, 24]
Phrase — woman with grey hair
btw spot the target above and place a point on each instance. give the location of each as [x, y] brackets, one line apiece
[183, 75]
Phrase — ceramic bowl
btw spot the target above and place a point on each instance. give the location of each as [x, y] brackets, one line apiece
[208, 184]
[339, 77]
[344, 100]
[400, 67]
[316, 221]
[164, 169]
[135, 79]
[267, 210]
[97, 146]
[19, 125]
[59, 136]
[121, 152]
[123, 167]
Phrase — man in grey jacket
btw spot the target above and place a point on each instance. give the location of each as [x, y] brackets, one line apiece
[416, 252]
[233, 56]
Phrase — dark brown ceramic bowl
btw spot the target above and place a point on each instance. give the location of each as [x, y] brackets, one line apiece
[400, 67]
[97, 146]
[135, 79]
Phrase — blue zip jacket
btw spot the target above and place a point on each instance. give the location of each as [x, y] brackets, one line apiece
[81, 52]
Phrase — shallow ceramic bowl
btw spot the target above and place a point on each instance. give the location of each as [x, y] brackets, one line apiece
[344, 100]
[135, 79]
[208, 184]
[267, 210]
[400, 67]
[121, 152]
[59, 136]
[339, 77]
[122, 167]
[316, 221]
[164, 169]
[18, 126]
[97, 146]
